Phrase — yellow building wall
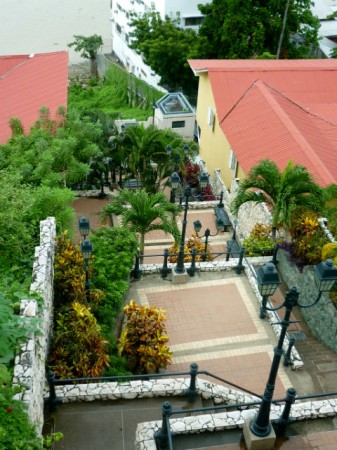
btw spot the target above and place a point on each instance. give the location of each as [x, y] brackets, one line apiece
[214, 147]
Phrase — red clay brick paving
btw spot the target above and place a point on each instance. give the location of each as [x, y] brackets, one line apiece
[208, 312]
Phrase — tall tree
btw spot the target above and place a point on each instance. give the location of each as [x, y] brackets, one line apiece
[88, 47]
[281, 191]
[143, 212]
[240, 29]
[166, 48]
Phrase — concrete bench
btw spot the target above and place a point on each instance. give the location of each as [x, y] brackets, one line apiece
[132, 184]
[223, 216]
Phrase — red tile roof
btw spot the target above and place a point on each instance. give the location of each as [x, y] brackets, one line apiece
[28, 82]
[282, 110]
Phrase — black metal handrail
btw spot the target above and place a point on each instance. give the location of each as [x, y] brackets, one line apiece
[190, 393]
[136, 271]
[163, 436]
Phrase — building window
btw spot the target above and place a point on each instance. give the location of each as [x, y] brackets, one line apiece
[178, 124]
[211, 117]
[233, 162]
[118, 28]
[193, 21]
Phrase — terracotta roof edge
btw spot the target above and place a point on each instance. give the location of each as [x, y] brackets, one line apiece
[312, 155]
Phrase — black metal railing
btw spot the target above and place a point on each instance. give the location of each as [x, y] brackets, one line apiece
[239, 252]
[164, 436]
[190, 392]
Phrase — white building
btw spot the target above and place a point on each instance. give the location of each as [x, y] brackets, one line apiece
[190, 17]
[328, 29]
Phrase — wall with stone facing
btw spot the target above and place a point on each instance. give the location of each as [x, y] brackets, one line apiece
[229, 420]
[30, 362]
[321, 318]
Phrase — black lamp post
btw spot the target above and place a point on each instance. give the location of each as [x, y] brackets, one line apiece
[175, 181]
[325, 277]
[197, 227]
[268, 281]
[84, 227]
[86, 250]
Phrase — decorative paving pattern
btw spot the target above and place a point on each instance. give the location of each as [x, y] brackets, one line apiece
[216, 324]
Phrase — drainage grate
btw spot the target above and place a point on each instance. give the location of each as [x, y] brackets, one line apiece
[298, 335]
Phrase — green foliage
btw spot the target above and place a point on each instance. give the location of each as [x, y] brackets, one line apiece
[166, 48]
[115, 250]
[53, 202]
[143, 339]
[308, 238]
[193, 242]
[329, 251]
[259, 242]
[16, 432]
[69, 274]
[79, 349]
[18, 235]
[283, 191]
[143, 212]
[111, 96]
[13, 329]
[88, 47]
[251, 29]
[16, 126]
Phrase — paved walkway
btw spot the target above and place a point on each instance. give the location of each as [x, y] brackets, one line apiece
[212, 320]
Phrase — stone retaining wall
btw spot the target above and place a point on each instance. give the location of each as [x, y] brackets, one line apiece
[30, 362]
[321, 318]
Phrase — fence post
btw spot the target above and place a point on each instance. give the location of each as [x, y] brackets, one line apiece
[165, 270]
[239, 268]
[136, 272]
[229, 249]
[191, 270]
[53, 400]
[221, 204]
[162, 435]
[275, 250]
[287, 358]
[280, 425]
[192, 391]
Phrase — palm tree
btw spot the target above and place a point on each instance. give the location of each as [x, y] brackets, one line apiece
[142, 145]
[143, 212]
[281, 191]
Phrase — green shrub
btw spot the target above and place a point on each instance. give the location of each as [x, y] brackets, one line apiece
[79, 349]
[259, 242]
[114, 250]
[143, 339]
[16, 431]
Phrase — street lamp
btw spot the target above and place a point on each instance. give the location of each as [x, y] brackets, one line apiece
[175, 181]
[86, 250]
[325, 276]
[197, 227]
[84, 227]
[268, 281]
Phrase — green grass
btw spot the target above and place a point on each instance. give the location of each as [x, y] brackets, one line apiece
[120, 93]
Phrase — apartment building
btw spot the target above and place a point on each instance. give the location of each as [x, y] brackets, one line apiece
[187, 10]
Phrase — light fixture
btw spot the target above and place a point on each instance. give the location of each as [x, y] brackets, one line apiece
[84, 226]
[325, 275]
[175, 180]
[267, 279]
[86, 249]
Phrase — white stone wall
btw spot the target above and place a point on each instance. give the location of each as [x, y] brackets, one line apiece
[30, 362]
[229, 420]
